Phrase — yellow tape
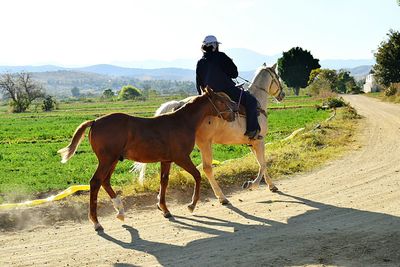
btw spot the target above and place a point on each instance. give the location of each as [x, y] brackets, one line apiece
[67, 192]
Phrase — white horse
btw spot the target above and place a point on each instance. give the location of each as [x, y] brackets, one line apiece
[217, 131]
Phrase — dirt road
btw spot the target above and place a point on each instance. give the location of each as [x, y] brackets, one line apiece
[346, 213]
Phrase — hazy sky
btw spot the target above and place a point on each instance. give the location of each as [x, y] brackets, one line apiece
[84, 32]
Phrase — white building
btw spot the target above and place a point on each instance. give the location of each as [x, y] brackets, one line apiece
[370, 85]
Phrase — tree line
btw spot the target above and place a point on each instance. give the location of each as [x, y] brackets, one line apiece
[299, 69]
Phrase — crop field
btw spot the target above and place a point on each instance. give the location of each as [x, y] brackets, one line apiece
[30, 165]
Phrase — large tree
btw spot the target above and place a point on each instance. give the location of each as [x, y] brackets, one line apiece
[295, 66]
[21, 89]
[387, 67]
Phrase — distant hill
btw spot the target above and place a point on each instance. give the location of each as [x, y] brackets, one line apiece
[144, 74]
[61, 79]
[345, 63]
[248, 60]
[28, 68]
[360, 72]
[111, 70]
[245, 59]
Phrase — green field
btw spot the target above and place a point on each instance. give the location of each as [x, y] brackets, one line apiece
[30, 165]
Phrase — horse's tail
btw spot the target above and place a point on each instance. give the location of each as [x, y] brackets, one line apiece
[68, 151]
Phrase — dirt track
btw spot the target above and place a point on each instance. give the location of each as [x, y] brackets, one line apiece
[346, 213]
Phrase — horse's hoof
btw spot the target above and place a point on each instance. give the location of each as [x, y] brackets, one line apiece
[120, 217]
[167, 214]
[191, 207]
[224, 201]
[246, 185]
[98, 227]
[274, 189]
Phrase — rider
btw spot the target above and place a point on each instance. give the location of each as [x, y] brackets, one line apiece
[217, 70]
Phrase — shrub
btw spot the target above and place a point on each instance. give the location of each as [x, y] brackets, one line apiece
[49, 103]
[391, 90]
[336, 102]
[129, 92]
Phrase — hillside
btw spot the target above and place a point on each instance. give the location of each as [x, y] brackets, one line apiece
[95, 78]
[61, 82]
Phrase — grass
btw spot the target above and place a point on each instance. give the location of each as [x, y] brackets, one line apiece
[381, 96]
[30, 166]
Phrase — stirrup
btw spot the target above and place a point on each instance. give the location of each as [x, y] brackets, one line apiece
[253, 135]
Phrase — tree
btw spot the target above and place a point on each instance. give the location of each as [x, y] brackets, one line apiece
[129, 92]
[21, 89]
[295, 66]
[387, 67]
[322, 82]
[75, 92]
[346, 83]
[108, 93]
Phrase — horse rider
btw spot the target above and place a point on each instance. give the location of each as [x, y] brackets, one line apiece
[217, 70]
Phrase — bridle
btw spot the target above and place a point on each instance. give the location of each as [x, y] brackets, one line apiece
[274, 80]
[275, 94]
[219, 113]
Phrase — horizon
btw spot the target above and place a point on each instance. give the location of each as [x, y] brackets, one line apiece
[78, 34]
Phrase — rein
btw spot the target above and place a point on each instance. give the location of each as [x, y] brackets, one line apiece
[262, 111]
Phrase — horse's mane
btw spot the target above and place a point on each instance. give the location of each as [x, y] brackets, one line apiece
[258, 70]
[174, 105]
[168, 107]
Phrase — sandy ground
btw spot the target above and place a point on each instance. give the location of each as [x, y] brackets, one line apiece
[344, 214]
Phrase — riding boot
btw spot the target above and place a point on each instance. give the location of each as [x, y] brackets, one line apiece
[252, 126]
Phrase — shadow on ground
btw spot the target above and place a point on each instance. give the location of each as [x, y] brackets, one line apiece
[324, 235]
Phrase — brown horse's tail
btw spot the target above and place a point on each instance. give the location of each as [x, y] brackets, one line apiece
[69, 151]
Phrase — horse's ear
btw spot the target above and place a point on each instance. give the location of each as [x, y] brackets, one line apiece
[208, 90]
[273, 66]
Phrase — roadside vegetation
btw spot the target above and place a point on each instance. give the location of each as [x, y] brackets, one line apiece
[391, 94]
[387, 68]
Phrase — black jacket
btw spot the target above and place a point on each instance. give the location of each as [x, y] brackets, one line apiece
[216, 70]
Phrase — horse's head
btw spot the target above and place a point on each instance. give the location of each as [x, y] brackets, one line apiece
[267, 80]
[223, 106]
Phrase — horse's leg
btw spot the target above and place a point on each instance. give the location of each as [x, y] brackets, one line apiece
[116, 200]
[206, 157]
[259, 149]
[165, 168]
[95, 183]
[188, 166]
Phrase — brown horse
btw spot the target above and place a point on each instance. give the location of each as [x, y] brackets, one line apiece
[166, 138]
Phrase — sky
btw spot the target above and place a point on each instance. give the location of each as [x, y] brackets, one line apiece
[84, 32]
